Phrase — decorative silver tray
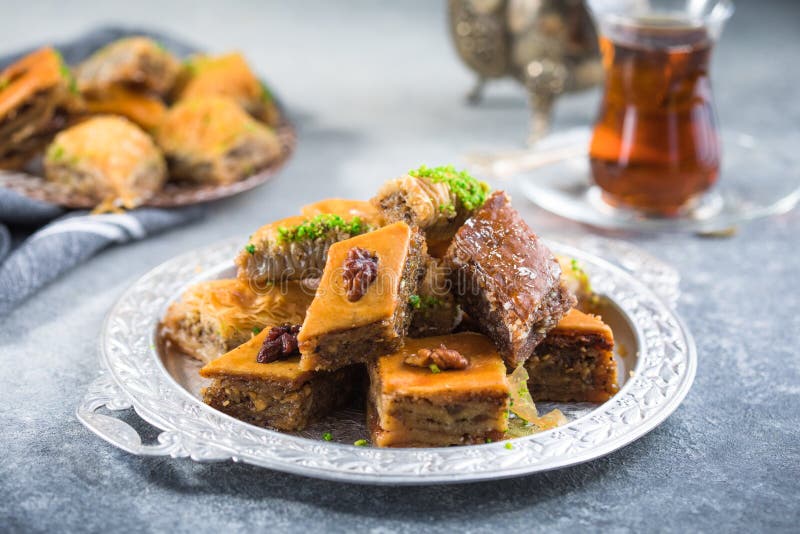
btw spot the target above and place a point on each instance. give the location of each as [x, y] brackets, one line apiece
[657, 366]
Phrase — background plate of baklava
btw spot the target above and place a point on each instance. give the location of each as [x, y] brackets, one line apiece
[425, 335]
[137, 121]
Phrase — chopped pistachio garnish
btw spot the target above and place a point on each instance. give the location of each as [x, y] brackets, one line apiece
[256, 330]
[361, 443]
[320, 226]
[423, 302]
[509, 445]
[327, 436]
[67, 74]
[266, 94]
[470, 191]
[434, 368]
[55, 153]
[251, 248]
[488, 440]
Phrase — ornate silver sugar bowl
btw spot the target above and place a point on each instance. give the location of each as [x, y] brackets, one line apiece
[550, 46]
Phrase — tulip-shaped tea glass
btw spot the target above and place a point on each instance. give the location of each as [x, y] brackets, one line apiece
[655, 146]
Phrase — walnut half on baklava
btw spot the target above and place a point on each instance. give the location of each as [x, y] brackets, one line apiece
[417, 400]
[361, 309]
[275, 393]
[212, 140]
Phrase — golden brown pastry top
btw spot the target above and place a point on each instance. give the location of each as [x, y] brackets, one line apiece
[346, 209]
[331, 311]
[241, 363]
[486, 373]
[207, 127]
[137, 60]
[224, 75]
[575, 321]
[237, 306]
[38, 71]
[109, 146]
[142, 108]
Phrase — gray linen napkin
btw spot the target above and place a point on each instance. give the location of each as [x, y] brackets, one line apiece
[67, 241]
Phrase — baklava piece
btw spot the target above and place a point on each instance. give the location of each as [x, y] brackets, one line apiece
[361, 309]
[577, 280]
[436, 200]
[227, 75]
[216, 316]
[438, 391]
[36, 95]
[575, 362]
[108, 159]
[347, 209]
[277, 393]
[144, 109]
[137, 62]
[294, 248]
[435, 311]
[506, 279]
[212, 140]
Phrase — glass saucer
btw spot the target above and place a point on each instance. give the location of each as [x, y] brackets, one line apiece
[757, 179]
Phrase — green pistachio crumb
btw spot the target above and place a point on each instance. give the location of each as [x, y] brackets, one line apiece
[434, 368]
[256, 330]
[266, 94]
[67, 74]
[470, 191]
[361, 443]
[327, 436]
[321, 226]
[415, 301]
[251, 248]
[509, 446]
[488, 440]
[55, 153]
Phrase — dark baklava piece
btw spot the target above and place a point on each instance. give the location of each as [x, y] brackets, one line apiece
[137, 62]
[506, 279]
[277, 393]
[435, 311]
[294, 248]
[227, 75]
[575, 362]
[213, 141]
[216, 316]
[36, 95]
[437, 200]
[361, 309]
[106, 158]
[418, 398]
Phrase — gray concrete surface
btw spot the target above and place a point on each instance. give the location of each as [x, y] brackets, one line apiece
[376, 89]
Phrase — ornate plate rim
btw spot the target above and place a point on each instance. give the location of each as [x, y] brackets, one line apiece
[137, 378]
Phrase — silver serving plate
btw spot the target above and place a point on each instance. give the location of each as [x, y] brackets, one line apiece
[657, 366]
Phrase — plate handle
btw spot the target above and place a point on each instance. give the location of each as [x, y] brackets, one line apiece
[104, 392]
